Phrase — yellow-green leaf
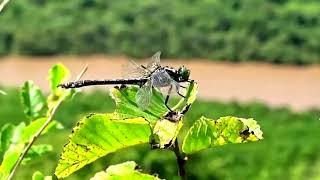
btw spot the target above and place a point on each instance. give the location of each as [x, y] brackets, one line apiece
[207, 133]
[166, 132]
[98, 135]
[57, 74]
[123, 171]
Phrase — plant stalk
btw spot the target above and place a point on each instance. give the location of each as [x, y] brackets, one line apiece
[35, 137]
[180, 160]
[4, 2]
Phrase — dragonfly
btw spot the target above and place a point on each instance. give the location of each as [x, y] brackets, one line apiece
[149, 77]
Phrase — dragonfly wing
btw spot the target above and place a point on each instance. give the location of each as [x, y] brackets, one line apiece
[144, 95]
[161, 79]
[133, 70]
[155, 61]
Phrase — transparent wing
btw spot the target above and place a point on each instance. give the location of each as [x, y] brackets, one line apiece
[132, 70]
[155, 61]
[144, 95]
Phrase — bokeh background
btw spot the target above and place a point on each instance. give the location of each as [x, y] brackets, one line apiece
[251, 58]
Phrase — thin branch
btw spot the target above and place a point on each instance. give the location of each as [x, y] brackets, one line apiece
[4, 2]
[180, 160]
[35, 137]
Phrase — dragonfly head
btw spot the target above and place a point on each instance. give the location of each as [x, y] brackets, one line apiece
[184, 74]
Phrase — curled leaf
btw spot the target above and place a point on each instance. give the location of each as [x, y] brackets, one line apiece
[166, 132]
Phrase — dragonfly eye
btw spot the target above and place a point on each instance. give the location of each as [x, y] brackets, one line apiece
[184, 73]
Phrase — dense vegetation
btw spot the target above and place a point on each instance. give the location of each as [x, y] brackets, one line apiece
[280, 31]
[290, 149]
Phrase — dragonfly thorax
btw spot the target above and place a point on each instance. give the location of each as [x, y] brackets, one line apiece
[180, 75]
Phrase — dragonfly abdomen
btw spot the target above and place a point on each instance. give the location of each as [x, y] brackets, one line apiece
[82, 83]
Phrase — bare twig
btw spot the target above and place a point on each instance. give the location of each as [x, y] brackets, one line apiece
[4, 2]
[48, 121]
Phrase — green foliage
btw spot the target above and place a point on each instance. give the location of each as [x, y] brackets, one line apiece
[295, 156]
[284, 31]
[14, 139]
[37, 151]
[123, 171]
[207, 133]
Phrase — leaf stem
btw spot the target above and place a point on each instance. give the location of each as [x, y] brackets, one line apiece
[35, 137]
[180, 160]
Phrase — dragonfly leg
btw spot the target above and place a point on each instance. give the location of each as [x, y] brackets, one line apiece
[184, 87]
[180, 94]
[167, 98]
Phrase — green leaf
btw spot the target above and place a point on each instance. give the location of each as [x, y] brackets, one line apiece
[123, 171]
[39, 176]
[166, 132]
[57, 74]
[33, 100]
[98, 135]
[126, 106]
[207, 133]
[2, 92]
[6, 134]
[37, 151]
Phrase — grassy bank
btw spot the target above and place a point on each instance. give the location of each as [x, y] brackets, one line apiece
[290, 150]
[284, 31]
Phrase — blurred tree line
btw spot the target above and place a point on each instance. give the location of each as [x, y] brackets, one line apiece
[279, 31]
